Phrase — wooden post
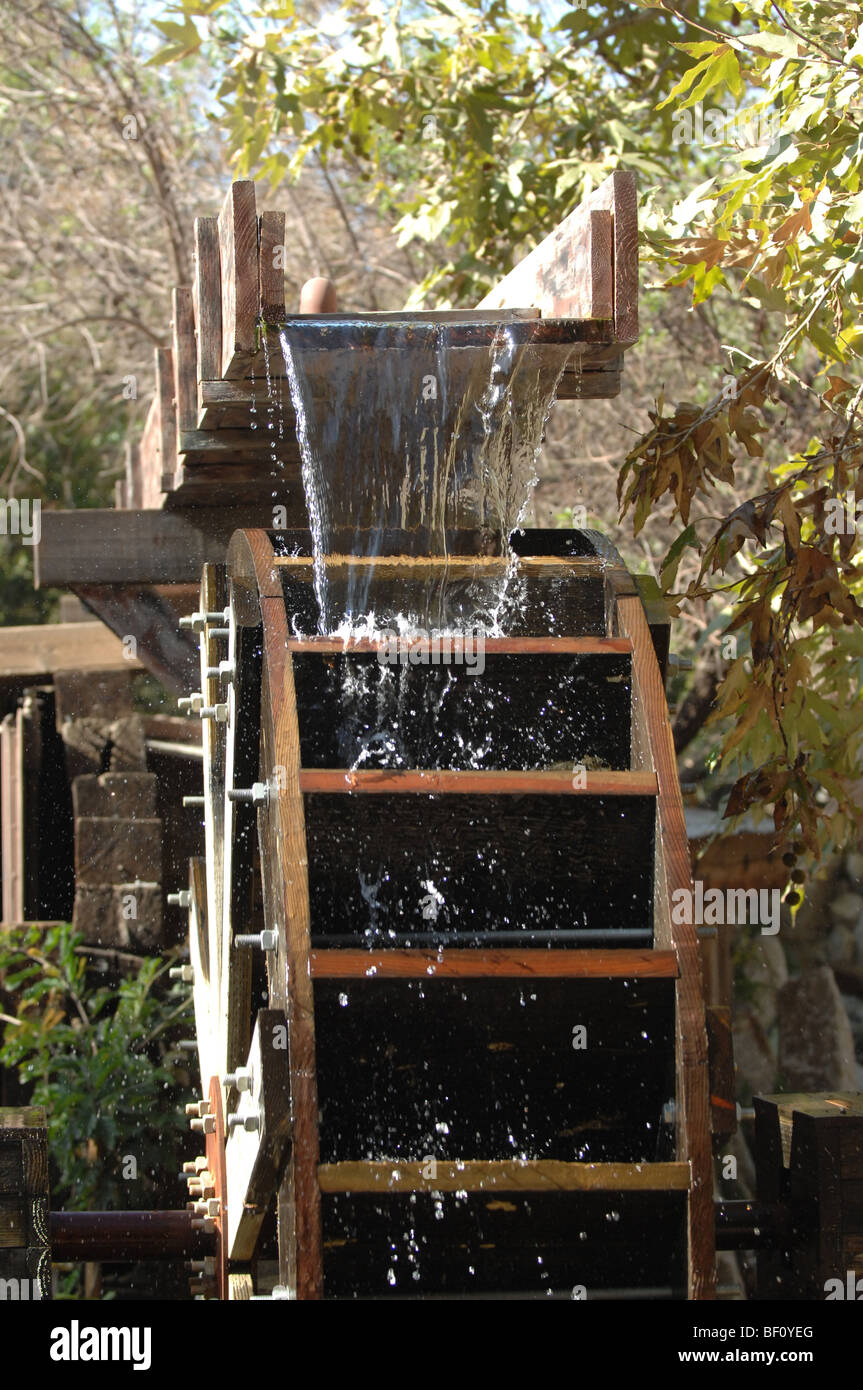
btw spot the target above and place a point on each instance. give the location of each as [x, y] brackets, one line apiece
[25, 1256]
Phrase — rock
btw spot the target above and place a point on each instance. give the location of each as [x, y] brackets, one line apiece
[123, 794]
[841, 946]
[847, 909]
[766, 969]
[125, 916]
[854, 865]
[816, 1046]
[754, 1061]
[110, 851]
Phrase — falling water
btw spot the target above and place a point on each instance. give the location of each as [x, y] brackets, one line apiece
[410, 429]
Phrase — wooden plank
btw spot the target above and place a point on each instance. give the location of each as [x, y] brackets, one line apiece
[560, 276]
[42, 650]
[420, 782]
[131, 610]
[238, 255]
[207, 297]
[652, 727]
[167, 437]
[455, 566]
[720, 1051]
[11, 820]
[185, 361]
[479, 964]
[254, 1158]
[531, 1175]
[570, 273]
[271, 295]
[94, 546]
[492, 646]
[147, 490]
[285, 860]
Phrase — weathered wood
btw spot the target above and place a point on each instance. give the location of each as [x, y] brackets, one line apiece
[478, 964]
[560, 276]
[141, 613]
[185, 361]
[11, 819]
[720, 1052]
[327, 781]
[167, 436]
[492, 646]
[532, 1175]
[455, 566]
[653, 741]
[285, 861]
[238, 254]
[96, 547]
[207, 297]
[145, 463]
[271, 295]
[42, 650]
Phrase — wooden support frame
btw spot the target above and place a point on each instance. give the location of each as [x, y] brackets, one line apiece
[653, 748]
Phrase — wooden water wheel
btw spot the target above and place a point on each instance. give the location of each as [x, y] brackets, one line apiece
[464, 1040]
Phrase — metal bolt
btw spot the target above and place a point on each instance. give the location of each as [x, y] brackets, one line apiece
[203, 1224]
[182, 972]
[247, 1122]
[217, 712]
[669, 1112]
[194, 801]
[198, 1107]
[259, 793]
[181, 899]
[224, 671]
[209, 1208]
[188, 1045]
[220, 632]
[197, 621]
[265, 940]
[241, 1079]
[193, 702]
[206, 1125]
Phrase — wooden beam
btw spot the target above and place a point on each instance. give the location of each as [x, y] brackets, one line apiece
[492, 646]
[529, 1175]
[163, 479]
[483, 783]
[461, 964]
[94, 546]
[653, 746]
[39, 651]
[131, 611]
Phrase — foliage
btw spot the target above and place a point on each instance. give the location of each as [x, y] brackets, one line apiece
[95, 1057]
[482, 122]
